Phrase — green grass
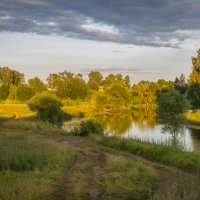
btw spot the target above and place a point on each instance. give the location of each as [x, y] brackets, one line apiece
[127, 179]
[30, 166]
[20, 153]
[188, 161]
[32, 124]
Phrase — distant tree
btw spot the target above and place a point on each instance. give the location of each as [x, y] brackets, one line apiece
[53, 80]
[194, 77]
[77, 88]
[95, 76]
[95, 80]
[180, 84]
[171, 105]
[127, 80]
[4, 92]
[194, 95]
[13, 92]
[9, 76]
[116, 97]
[93, 85]
[24, 92]
[194, 83]
[109, 79]
[36, 85]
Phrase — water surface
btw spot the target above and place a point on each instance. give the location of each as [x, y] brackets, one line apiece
[143, 125]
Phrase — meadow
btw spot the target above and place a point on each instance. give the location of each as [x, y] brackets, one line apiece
[29, 166]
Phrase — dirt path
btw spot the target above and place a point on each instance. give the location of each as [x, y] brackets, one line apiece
[84, 178]
[82, 181]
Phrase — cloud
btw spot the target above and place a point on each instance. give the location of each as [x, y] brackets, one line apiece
[139, 22]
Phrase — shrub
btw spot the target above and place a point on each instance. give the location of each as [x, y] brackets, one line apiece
[89, 127]
[48, 107]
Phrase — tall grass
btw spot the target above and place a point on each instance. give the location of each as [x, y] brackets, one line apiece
[30, 166]
[128, 179]
[169, 155]
[20, 153]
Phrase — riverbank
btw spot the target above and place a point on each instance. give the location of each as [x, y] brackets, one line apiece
[90, 171]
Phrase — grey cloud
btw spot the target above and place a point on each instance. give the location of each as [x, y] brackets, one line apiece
[140, 22]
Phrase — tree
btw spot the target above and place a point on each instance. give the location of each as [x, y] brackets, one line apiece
[4, 92]
[95, 80]
[171, 105]
[194, 77]
[116, 97]
[127, 80]
[36, 85]
[77, 88]
[194, 95]
[93, 85]
[180, 84]
[9, 76]
[48, 107]
[24, 92]
[13, 92]
[194, 82]
[96, 76]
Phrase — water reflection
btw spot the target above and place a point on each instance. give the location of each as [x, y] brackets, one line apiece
[143, 125]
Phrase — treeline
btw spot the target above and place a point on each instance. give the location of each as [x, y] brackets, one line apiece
[113, 92]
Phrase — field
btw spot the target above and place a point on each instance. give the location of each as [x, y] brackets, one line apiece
[41, 161]
[29, 166]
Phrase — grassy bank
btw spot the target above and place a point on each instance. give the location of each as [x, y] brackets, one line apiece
[193, 117]
[32, 124]
[188, 161]
[29, 166]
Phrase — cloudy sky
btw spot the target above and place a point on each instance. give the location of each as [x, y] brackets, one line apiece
[147, 39]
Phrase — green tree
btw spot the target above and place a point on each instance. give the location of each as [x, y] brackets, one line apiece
[36, 85]
[13, 92]
[9, 76]
[116, 97]
[194, 95]
[77, 88]
[171, 105]
[96, 76]
[194, 77]
[127, 80]
[93, 85]
[180, 84]
[48, 107]
[194, 82]
[24, 92]
[4, 92]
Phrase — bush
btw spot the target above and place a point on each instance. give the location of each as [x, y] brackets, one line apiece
[89, 127]
[48, 108]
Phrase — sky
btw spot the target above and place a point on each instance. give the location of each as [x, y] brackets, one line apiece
[146, 39]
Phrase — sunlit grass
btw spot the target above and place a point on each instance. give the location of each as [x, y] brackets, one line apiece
[189, 161]
[32, 124]
[29, 166]
[18, 110]
[128, 179]
[193, 117]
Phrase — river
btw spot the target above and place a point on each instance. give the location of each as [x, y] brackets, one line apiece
[144, 126]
